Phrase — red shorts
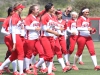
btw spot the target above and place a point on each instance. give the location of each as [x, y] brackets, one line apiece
[48, 44]
[33, 47]
[19, 52]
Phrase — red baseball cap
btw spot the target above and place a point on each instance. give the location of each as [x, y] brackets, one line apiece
[58, 12]
[19, 6]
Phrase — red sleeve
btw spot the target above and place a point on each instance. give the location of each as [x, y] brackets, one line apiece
[69, 23]
[5, 23]
[45, 20]
[79, 22]
[65, 25]
[14, 19]
[27, 21]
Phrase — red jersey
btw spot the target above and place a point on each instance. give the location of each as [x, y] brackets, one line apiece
[61, 23]
[6, 23]
[16, 21]
[32, 22]
[48, 22]
[82, 25]
[15, 18]
[71, 26]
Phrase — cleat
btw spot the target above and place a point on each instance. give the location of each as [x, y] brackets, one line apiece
[28, 71]
[81, 63]
[69, 68]
[65, 69]
[7, 70]
[16, 73]
[44, 70]
[54, 68]
[97, 68]
[51, 74]
[68, 63]
[74, 67]
[35, 70]
[31, 66]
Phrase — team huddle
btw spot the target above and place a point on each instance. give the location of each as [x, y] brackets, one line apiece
[44, 34]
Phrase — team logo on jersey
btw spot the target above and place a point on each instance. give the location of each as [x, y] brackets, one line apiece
[73, 25]
[85, 24]
[50, 23]
[35, 23]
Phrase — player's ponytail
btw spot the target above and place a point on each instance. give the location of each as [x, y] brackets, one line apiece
[10, 9]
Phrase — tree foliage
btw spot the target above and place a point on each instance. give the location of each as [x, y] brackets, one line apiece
[94, 5]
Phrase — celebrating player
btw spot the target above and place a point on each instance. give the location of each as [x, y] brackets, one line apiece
[47, 35]
[6, 32]
[84, 38]
[32, 42]
[15, 40]
[72, 29]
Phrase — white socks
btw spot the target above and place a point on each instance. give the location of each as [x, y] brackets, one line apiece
[41, 60]
[66, 57]
[50, 67]
[32, 60]
[20, 65]
[14, 65]
[69, 57]
[27, 63]
[43, 65]
[75, 59]
[5, 63]
[94, 59]
[80, 58]
[61, 61]
[24, 64]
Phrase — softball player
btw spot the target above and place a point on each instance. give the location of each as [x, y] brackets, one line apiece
[84, 38]
[5, 30]
[71, 28]
[60, 41]
[32, 42]
[62, 30]
[47, 35]
[16, 42]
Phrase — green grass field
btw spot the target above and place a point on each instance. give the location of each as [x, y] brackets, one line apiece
[87, 69]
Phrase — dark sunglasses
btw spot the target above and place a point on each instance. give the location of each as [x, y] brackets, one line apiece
[68, 10]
